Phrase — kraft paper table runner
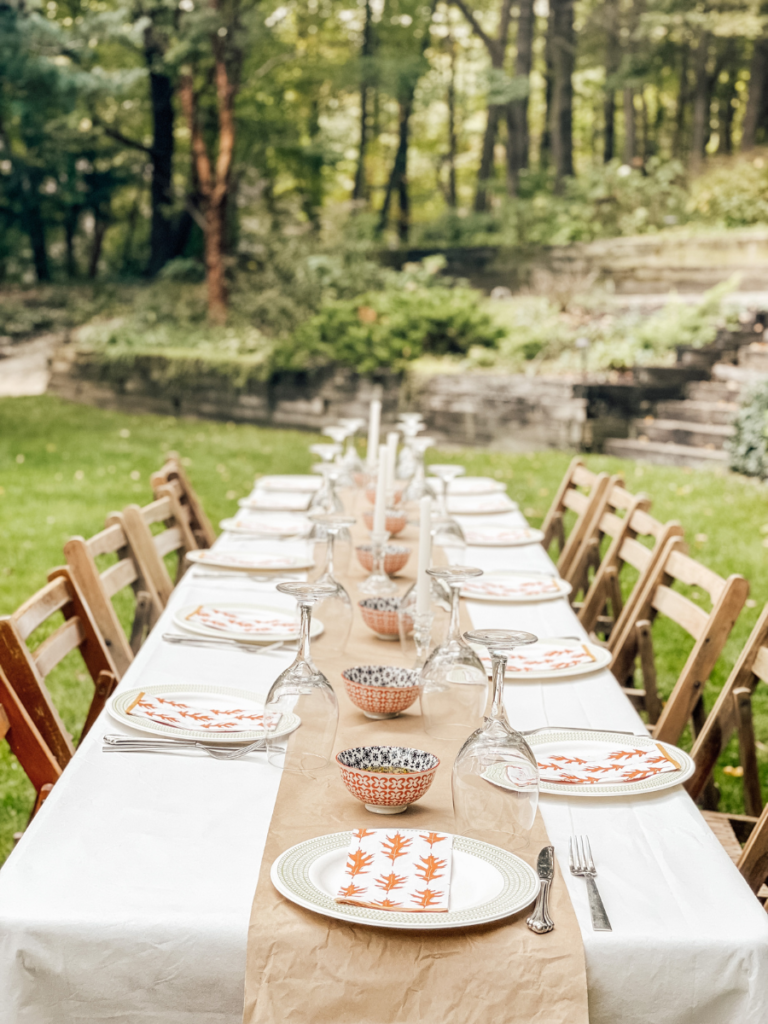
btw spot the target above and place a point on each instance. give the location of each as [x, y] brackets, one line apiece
[303, 968]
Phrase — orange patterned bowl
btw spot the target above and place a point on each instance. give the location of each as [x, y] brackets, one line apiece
[381, 691]
[394, 523]
[380, 615]
[395, 557]
[385, 792]
[370, 495]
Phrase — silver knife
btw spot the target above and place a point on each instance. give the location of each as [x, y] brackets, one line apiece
[540, 921]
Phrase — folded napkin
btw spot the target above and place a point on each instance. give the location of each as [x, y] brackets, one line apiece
[183, 716]
[528, 586]
[500, 536]
[244, 561]
[549, 659]
[253, 624]
[633, 765]
[246, 520]
[398, 869]
[276, 500]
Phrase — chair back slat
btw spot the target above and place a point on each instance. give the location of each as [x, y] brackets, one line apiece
[106, 541]
[119, 576]
[40, 607]
[679, 609]
[760, 664]
[687, 570]
[26, 669]
[635, 554]
[567, 497]
[168, 541]
[603, 521]
[58, 645]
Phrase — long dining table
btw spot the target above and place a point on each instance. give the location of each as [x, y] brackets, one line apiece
[128, 898]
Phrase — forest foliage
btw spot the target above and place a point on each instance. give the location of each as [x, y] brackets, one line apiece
[178, 137]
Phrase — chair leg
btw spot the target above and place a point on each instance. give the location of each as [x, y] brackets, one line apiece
[648, 668]
[753, 801]
[614, 591]
[141, 625]
[105, 686]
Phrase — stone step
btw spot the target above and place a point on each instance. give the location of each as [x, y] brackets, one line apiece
[714, 391]
[665, 454]
[743, 376]
[697, 412]
[754, 357]
[698, 435]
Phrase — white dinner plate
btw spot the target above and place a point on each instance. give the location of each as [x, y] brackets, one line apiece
[295, 482]
[515, 587]
[277, 501]
[243, 561]
[267, 526]
[491, 504]
[501, 536]
[269, 625]
[220, 697]
[551, 660]
[487, 884]
[473, 485]
[592, 744]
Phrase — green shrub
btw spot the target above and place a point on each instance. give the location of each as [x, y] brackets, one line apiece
[748, 448]
[389, 329]
[731, 193]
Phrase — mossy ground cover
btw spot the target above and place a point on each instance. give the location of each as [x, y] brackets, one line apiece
[63, 467]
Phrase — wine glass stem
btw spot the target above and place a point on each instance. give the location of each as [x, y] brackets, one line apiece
[305, 611]
[499, 662]
[330, 552]
[454, 628]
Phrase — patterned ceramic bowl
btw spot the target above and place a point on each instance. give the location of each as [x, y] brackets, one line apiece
[370, 495]
[395, 557]
[394, 523]
[386, 792]
[380, 615]
[381, 691]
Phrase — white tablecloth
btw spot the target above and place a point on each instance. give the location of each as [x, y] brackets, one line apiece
[128, 898]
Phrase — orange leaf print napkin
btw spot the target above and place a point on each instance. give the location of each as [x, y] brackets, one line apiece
[401, 869]
[630, 765]
[165, 711]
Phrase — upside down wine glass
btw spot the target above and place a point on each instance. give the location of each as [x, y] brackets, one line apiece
[495, 778]
[335, 611]
[454, 682]
[417, 485]
[302, 690]
[445, 530]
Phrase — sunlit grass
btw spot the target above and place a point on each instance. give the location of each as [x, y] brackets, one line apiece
[63, 467]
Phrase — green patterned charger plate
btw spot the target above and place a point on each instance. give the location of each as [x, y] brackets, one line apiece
[487, 884]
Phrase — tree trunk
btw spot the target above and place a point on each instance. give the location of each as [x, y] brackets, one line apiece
[678, 143]
[700, 103]
[630, 141]
[360, 188]
[563, 59]
[36, 231]
[758, 71]
[612, 59]
[398, 179]
[545, 148]
[99, 230]
[70, 230]
[485, 173]
[451, 99]
[517, 110]
[214, 262]
[161, 230]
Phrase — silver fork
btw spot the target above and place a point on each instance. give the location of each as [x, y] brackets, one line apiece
[127, 744]
[581, 864]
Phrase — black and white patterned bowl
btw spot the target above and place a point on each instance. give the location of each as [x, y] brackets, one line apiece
[380, 615]
[381, 691]
[382, 792]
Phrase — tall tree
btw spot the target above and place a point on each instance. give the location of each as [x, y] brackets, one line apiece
[366, 52]
[517, 109]
[564, 62]
[758, 77]
[497, 48]
[612, 62]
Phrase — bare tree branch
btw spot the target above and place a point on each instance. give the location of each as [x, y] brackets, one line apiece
[477, 28]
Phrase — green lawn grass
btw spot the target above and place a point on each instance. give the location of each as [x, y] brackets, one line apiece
[63, 467]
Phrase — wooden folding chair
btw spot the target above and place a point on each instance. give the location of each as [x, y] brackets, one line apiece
[626, 549]
[732, 713]
[708, 630]
[150, 549]
[99, 587]
[27, 669]
[582, 502]
[27, 745]
[172, 475]
[609, 517]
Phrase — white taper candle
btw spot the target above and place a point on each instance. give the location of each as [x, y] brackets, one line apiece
[374, 423]
[379, 516]
[425, 554]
